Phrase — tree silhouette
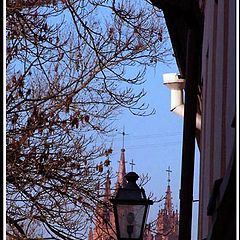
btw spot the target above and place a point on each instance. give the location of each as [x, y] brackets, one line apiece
[71, 66]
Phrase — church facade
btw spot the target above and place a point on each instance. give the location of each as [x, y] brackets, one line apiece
[165, 227]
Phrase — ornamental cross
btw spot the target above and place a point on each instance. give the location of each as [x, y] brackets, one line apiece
[132, 164]
[169, 171]
[123, 134]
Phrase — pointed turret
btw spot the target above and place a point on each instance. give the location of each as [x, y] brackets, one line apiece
[107, 193]
[168, 201]
[121, 181]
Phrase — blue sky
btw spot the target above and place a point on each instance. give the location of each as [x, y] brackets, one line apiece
[155, 142]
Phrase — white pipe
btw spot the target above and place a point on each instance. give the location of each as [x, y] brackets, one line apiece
[176, 86]
[177, 102]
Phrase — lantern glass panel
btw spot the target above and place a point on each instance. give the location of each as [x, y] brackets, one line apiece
[130, 218]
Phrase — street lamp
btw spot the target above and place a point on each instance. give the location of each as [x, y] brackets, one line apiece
[130, 209]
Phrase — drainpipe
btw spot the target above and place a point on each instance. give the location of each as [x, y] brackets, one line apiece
[176, 85]
[193, 73]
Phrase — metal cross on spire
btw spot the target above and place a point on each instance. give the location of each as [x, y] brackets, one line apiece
[169, 171]
[123, 134]
[132, 164]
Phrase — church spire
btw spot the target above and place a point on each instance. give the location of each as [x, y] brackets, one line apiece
[167, 220]
[121, 181]
[168, 199]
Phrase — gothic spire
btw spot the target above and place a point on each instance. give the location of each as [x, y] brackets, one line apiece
[168, 199]
[167, 220]
[121, 181]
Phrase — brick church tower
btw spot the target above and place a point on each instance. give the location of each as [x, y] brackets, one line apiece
[105, 224]
[166, 227]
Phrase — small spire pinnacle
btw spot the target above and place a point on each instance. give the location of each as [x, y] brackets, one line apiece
[121, 181]
[107, 187]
